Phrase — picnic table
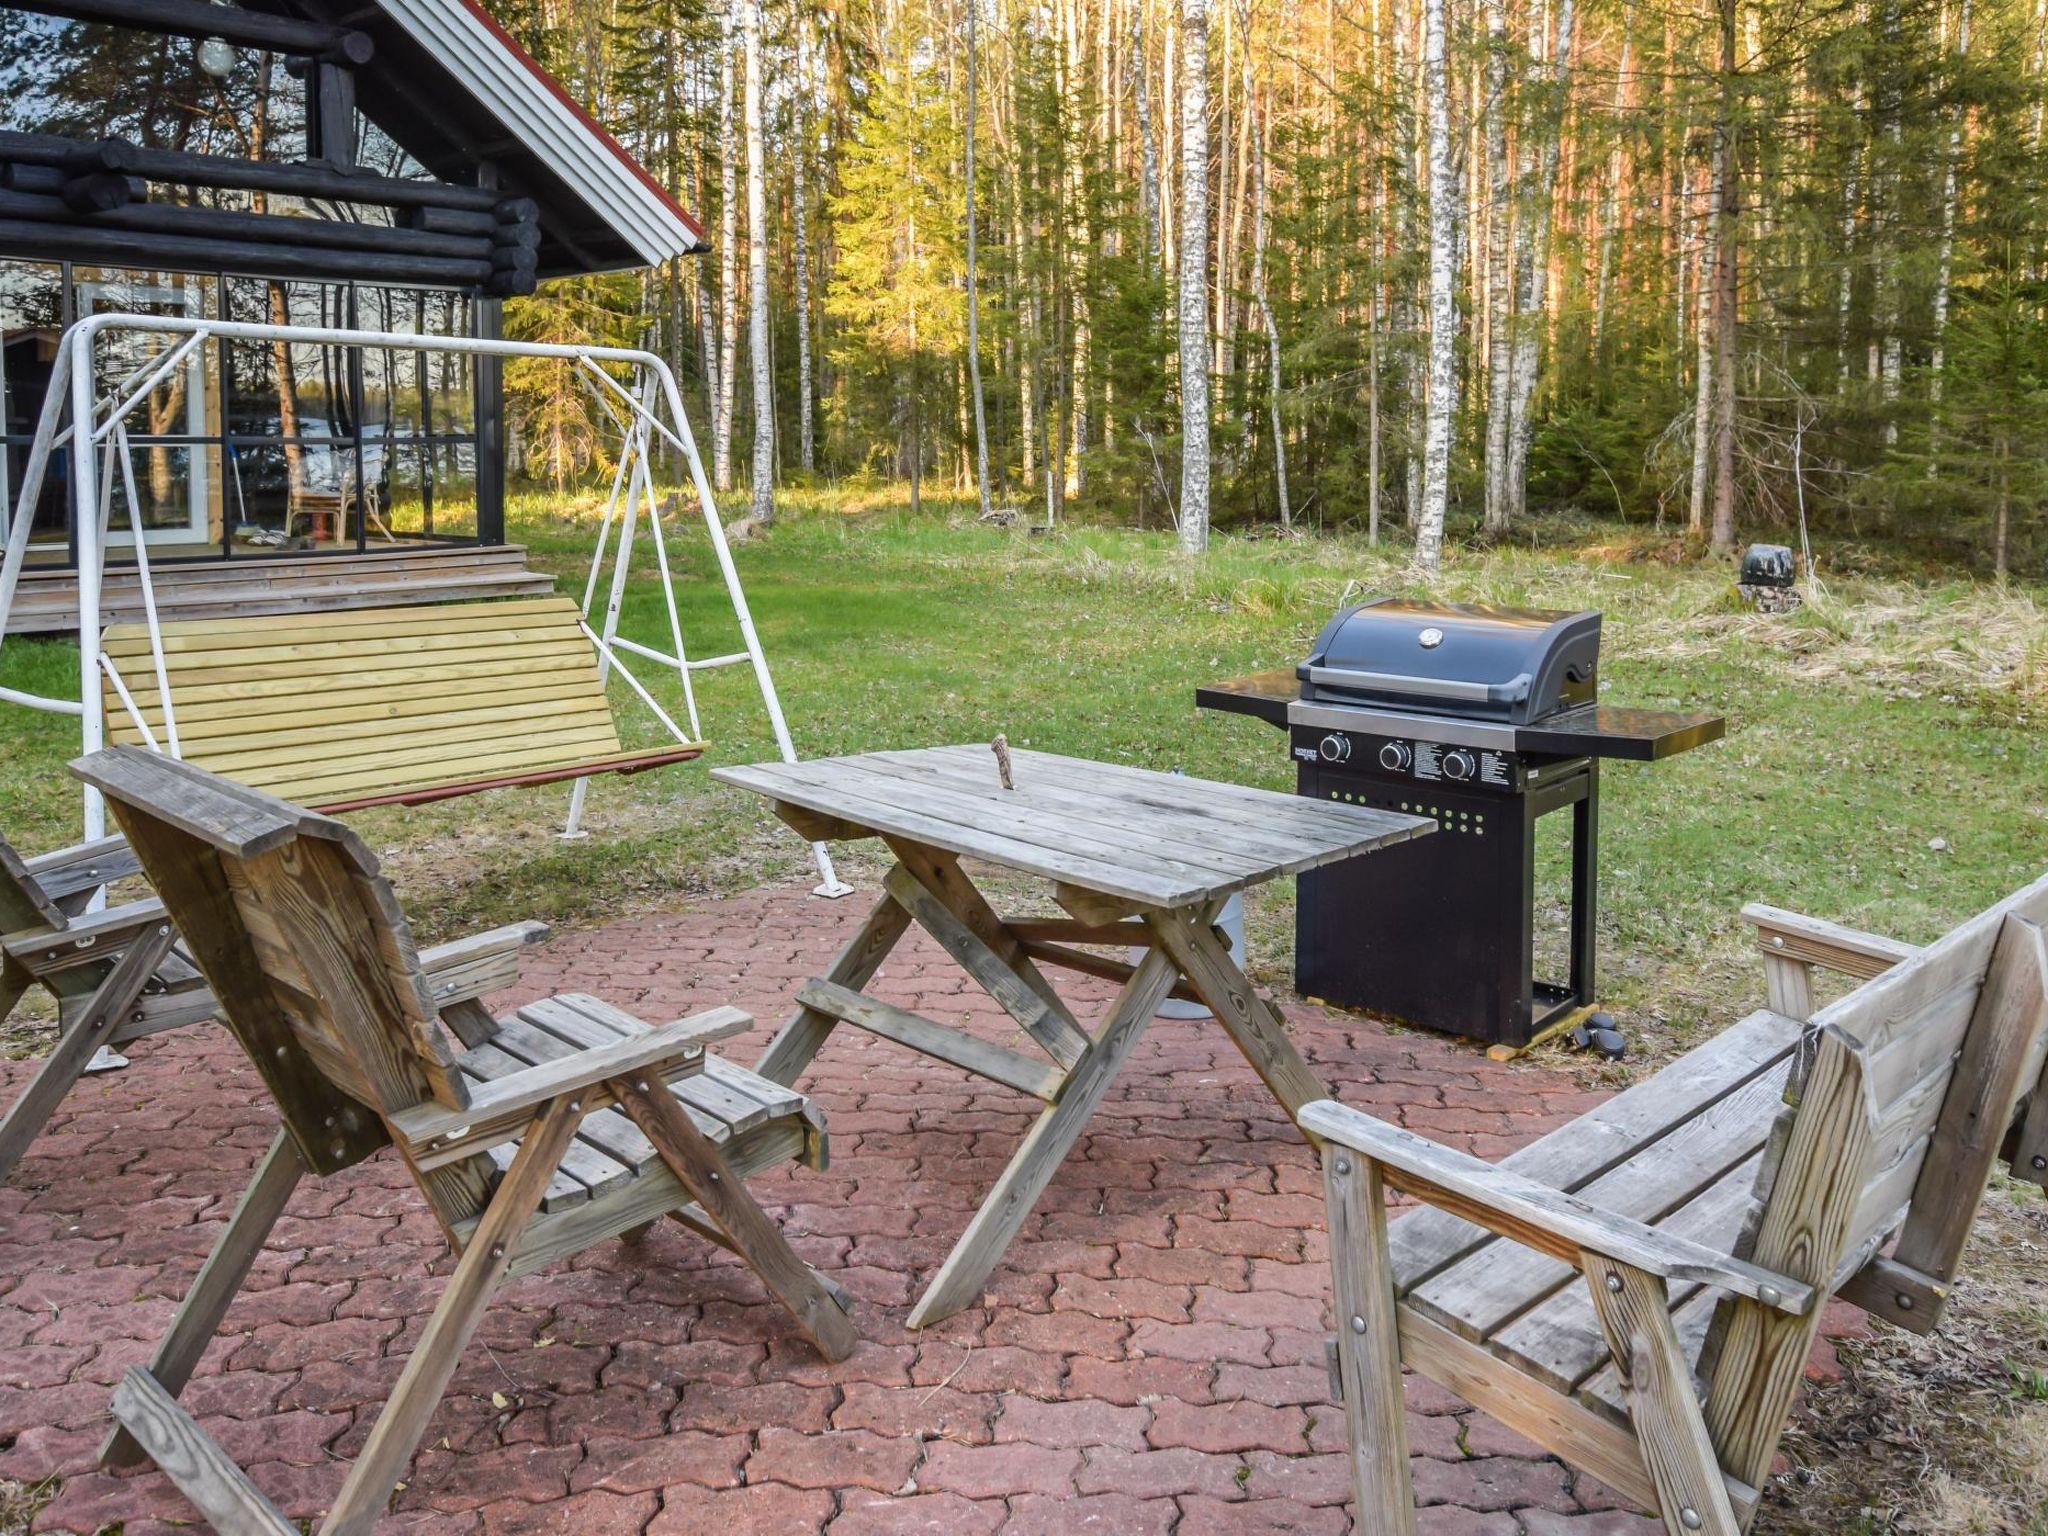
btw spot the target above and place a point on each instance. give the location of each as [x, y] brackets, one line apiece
[1137, 860]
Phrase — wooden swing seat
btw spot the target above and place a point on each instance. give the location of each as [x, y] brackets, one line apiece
[381, 706]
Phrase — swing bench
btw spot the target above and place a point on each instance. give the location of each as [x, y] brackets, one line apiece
[379, 706]
[428, 703]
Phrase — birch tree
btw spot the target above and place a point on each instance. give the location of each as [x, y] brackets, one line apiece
[728, 267]
[1533, 267]
[974, 279]
[1945, 259]
[1194, 275]
[800, 234]
[1499, 295]
[1443, 300]
[1727, 251]
[763, 510]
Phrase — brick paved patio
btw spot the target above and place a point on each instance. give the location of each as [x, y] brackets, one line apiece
[1148, 1360]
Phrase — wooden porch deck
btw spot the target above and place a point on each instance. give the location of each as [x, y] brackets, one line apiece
[47, 602]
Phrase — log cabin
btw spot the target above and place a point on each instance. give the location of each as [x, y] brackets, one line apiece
[382, 165]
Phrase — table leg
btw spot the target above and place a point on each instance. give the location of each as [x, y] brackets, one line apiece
[1249, 1019]
[940, 873]
[799, 1040]
[959, 1280]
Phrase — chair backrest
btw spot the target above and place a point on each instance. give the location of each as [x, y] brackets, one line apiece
[1896, 1108]
[301, 940]
[407, 697]
[1950, 1041]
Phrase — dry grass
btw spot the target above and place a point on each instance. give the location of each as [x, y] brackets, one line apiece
[1970, 644]
[20, 1503]
[1941, 1436]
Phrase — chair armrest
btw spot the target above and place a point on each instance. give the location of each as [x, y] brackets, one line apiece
[1817, 941]
[1538, 1216]
[481, 963]
[100, 936]
[431, 1135]
[65, 872]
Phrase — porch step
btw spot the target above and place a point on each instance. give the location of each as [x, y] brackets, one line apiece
[47, 601]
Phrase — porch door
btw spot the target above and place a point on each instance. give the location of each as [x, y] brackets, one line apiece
[168, 431]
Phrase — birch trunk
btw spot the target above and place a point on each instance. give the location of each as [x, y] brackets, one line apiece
[728, 258]
[1405, 197]
[1890, 345]
[2001, 532]
[1703, 367]
[1532, 297]
[1264, 301]
[974, 283]
[1194, 275]
[1846, 286]
[799, 199]
[1727, 253]
[763, 510]
[1148, 143]
[1443, 302]
[1945, 259]
[1499, 348]
[1610, 233]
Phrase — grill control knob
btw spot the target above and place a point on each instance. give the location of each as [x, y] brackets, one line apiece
[1335, 748]
[1396, 756]
[1459, 765]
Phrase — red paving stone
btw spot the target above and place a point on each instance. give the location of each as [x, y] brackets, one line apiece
[1146, 1360]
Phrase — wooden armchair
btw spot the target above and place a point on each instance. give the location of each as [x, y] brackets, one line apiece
[119, 975]
[1711, 1210]
[561, 1125]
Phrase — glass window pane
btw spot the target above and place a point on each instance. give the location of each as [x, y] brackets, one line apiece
[451, 376]
[52, 510]
[392, 401]
[399, 490]
[177, 488]
[454, 491]
[31, 316]
[291, 495]
[288, 389]
[186, 402]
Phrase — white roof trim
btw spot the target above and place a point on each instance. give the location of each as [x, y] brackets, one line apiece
[516, 90]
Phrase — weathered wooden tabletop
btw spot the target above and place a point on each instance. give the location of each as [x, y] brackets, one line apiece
[1158, 839]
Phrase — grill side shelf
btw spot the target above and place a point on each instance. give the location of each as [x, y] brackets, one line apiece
[1634, 735]
[1262, 695]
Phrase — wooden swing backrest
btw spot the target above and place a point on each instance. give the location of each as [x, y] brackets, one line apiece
[1895, 1112]
[1934, 1035]
[300, 938]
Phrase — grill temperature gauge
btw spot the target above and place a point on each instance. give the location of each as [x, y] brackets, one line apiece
[1396, 757]
[1335, 748]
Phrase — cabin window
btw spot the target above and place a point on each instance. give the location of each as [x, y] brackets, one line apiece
[31, 318]
[254, 448]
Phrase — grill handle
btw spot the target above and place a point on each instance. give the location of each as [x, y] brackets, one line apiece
[1513, 691]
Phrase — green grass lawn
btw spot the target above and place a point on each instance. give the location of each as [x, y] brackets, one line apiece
[1882, 767]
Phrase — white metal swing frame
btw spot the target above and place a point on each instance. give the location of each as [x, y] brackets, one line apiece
[651, 408]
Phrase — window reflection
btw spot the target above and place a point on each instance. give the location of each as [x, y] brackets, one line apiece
[87, 80]
[256, 447]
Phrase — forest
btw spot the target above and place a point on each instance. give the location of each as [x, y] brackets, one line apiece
[1733, 270]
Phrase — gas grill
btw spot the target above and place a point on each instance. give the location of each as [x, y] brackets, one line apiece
[1488, 719]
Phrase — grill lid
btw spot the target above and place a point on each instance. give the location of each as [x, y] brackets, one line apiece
[1475, 660]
